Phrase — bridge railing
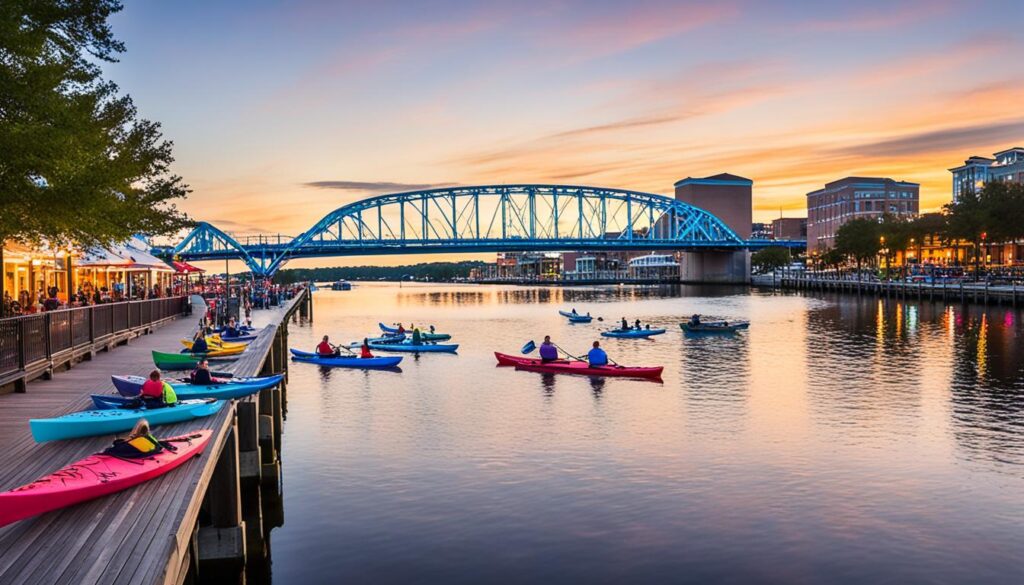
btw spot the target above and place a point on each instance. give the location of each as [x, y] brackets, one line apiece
[32, 343]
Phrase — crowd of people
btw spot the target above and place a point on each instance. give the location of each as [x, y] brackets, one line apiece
[48, 300]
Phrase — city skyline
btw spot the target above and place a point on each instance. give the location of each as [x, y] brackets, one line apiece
[319, 104]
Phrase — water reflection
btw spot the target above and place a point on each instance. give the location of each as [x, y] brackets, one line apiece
[834, 430]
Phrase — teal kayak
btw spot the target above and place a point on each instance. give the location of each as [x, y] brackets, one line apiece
[632, 333]
[231, 388]
[426, 335]
[410, 347]
[575, 317]
[714, 327]
[89, 423]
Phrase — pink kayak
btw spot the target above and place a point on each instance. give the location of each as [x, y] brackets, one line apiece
[578, 367]
[93, 477]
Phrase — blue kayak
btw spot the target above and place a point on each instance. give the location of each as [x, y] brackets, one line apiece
[426, 335]
[632, 333]
[345, 361]
[233, 388]
[425, 347]
[89, 423]
[576, 318]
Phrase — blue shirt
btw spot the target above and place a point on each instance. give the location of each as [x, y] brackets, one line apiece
[597, 357]
[548, 351]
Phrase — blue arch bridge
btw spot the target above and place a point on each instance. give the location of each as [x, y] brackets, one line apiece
[493, 218]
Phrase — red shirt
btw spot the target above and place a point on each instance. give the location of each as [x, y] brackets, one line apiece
[325, 348]
[365, 352]
[153, 389]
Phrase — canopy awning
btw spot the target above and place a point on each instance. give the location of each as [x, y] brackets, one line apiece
[184, 267]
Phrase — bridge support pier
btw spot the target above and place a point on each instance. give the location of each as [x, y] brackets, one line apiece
[713, 267]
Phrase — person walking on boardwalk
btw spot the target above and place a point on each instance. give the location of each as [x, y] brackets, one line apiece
[325, 349]
[597, 356]
[548, 351]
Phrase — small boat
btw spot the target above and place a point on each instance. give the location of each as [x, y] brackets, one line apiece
[341, 285]
[232, 388]
[183, 361]
[89, 423]
[575, 317]
[426, 335]
[346, 361]
[94, 477]
[427, 347]
[221, 337]
[632, 333]
[714, 327]
[215, 348]
[578, 367]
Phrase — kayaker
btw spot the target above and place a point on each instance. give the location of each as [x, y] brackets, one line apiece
[548, 351]
[231, 330]
[400, 329]
[625, 324]
[638, 324]
[325, 349]
[201, 376]
[139, 443]
[199, 343]
[417, 337]
[157, 393]
[431, 329]
[597, 356]
[695, 320]
[574, 311]
[364, 351]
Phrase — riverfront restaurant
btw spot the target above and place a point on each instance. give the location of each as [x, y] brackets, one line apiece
[121, 272]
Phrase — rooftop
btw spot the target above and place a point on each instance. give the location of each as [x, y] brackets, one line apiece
[719, 179]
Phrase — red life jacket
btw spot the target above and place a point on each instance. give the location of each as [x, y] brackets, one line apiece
[325, 348]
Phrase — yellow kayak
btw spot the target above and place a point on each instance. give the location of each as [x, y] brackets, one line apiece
[217, 351]
[216, 340]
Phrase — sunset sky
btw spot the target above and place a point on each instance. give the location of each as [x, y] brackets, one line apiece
[283, 111]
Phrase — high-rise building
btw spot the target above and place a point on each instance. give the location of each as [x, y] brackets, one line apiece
[853, 198]
[789, 228]
[1008, 165]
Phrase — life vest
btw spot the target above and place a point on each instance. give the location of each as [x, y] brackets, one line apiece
[169, 396]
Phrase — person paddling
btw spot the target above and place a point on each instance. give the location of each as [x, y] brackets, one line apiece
[625, 324]
[199, 344]
[638, 324]
[548, 351]
[231, 330]
[157, 393]
[325, 349]
[401, 329]
[201, 376]
[364, 350]
[417, 336]
[597, 356]
[695, 320]
[139, 443]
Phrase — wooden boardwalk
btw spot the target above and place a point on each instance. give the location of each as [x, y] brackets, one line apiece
[145, 534]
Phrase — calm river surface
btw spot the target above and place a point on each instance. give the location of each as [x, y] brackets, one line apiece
[838, 440]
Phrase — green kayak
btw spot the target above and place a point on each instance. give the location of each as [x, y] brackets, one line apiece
[182, 361]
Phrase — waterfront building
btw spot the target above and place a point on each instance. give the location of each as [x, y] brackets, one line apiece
[789, 228]
[594, 265]
[728, 197]
[1006, 165]
[854, 198]
[660, 267]
[761, 231]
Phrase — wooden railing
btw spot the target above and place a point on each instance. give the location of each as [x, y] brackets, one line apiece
[29, 340]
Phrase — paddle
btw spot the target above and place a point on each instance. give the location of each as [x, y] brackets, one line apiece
[339, 347]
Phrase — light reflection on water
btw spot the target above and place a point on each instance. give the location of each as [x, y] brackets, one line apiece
[839, 440]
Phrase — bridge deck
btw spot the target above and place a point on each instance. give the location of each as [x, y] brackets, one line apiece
[140, 535]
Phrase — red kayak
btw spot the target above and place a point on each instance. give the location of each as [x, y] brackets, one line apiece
[577, 367]
[93, 477]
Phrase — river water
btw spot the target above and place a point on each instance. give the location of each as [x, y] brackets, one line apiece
[838, 440]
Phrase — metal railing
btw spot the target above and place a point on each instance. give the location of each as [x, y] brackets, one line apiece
[30, 339]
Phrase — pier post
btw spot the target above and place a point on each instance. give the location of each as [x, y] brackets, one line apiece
[270, 472]
[250, 473]
[222, 544]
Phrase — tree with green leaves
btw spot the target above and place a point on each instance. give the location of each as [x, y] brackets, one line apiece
[928, 226]
[79, 167]
[967, 220]
[859, 239]
[769, 259]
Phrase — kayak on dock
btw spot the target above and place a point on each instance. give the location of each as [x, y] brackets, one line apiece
[578, 367]
[426, 335]
[88, 423]
[576, 317]
[632, 333]
[232, 388]
[184, 361]
[216, 347]
[345, 361]
[94, 477]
